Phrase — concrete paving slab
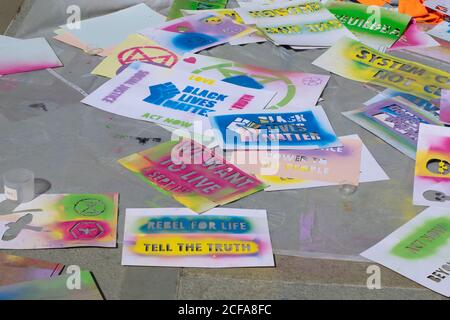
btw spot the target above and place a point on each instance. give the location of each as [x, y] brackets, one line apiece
[298, 278]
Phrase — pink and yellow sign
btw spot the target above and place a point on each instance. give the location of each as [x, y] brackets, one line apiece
[61, 221]
[432, 174]
[441, 52]
[337, 164]
[193, 174]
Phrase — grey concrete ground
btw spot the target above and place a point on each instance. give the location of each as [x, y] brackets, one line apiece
[298, 278]
[77, 156]
[9, 9]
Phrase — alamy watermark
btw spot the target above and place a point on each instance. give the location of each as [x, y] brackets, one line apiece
[74, 19]
[374, 279]
[73, 281]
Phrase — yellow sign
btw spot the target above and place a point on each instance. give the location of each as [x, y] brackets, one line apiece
[356, 61]
[193, 246]
[135, 48]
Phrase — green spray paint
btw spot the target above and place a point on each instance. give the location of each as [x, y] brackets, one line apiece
[88, 206]
[425, 240]
[370, 22]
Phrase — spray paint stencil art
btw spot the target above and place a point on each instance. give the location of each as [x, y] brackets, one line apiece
[197, 32]
[305, 129]
[293, 88]
[219, 238]
[61, 221]
[432, 172]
